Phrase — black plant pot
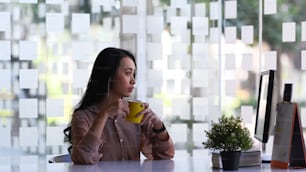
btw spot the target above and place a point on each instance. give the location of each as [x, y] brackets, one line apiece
[230, 160]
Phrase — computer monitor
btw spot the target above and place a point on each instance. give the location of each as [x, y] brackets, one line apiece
[266, 111]
[266, 106]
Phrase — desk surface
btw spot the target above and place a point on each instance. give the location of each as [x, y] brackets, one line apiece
[178, 164]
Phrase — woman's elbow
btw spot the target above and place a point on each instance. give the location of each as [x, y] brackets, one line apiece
[84, 159]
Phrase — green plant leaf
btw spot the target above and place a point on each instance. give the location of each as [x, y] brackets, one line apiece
[228, 134]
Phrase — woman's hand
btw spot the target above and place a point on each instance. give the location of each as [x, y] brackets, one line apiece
[112, 108]
[149, 115]
[157, 124]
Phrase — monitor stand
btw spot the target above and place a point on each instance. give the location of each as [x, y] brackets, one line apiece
[265, 157]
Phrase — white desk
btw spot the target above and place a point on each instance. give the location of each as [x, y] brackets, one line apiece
[178, 164]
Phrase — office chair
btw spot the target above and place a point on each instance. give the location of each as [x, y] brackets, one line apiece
[60, 158]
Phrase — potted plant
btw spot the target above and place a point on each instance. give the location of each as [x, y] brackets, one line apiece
[230, 137]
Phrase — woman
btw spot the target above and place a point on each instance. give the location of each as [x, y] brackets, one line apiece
[98, 128]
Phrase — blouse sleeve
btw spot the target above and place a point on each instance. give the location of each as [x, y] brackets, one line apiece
[85, 145]
[152, 147]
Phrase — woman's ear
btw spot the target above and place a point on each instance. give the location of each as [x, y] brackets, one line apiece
[109, 85]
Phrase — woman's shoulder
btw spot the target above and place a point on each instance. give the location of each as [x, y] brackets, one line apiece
[86, 112]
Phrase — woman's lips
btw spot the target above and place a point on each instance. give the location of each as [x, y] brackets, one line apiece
[131, 89]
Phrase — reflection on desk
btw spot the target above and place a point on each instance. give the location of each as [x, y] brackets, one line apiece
[175, 165]
[178, 164]
[135, 166]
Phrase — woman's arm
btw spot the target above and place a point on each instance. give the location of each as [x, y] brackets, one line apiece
[87, 131]
[154, 148]
[156, 141]
[86, 138]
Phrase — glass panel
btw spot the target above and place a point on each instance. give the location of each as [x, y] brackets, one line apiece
[196, 60]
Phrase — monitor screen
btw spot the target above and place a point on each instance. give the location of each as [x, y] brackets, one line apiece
[266, 106]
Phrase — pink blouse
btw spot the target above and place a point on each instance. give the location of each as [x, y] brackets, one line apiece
[121, 140]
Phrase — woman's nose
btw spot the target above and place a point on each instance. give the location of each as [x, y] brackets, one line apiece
[133, 80]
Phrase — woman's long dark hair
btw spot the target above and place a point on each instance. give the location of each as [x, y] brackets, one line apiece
[104, 69]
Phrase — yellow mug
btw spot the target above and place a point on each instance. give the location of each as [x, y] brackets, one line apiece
[135, 107]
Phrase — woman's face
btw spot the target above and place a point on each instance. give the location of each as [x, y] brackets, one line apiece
[124, 81]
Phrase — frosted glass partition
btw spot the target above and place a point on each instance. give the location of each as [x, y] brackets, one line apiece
[196, 61]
